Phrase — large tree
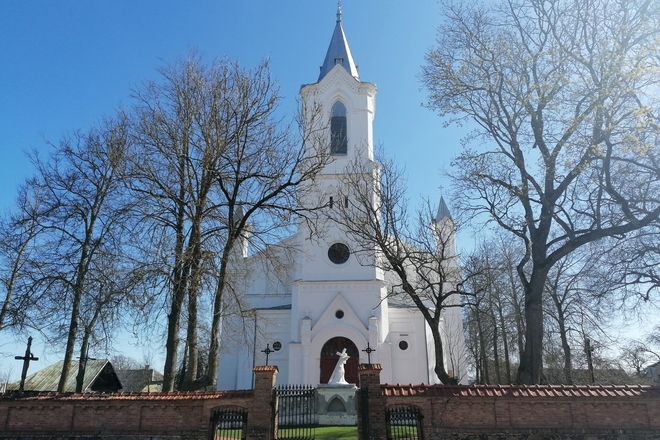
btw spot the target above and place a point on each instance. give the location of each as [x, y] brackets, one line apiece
[76, 212]
[563, 96]
[214, 167]
[415, 252]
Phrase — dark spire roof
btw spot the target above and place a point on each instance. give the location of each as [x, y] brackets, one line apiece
[338, 52]
[443, 211]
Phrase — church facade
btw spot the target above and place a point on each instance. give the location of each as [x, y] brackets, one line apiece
[319, 299]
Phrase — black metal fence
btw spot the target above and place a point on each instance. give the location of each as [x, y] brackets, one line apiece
[297, 412]
[404, 422]
[230, 423]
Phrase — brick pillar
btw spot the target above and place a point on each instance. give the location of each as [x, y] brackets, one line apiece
[370, 380]
[261, 417]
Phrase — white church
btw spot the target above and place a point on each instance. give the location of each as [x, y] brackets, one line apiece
[321, 299]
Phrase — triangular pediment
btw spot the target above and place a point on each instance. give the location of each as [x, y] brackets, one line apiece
[329, 316]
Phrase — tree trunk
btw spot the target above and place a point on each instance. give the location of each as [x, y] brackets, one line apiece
[70, 340]
[531, 363]
[505, 337]
[82, 364]
[440, 357]
[568, 365]
[496, 352]
[179, 280]
[172, 341]
[482, 350]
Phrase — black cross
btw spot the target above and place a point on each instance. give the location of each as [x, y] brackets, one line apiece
[26, 363]
[369, 350]
[267, 351]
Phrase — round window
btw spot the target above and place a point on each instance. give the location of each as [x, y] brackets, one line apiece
[277, 345]
[339, 314]
[338, 253]
[403, 345]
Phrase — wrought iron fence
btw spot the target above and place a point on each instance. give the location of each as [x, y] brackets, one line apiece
[297, 412]
[404, 422]
[230, 423]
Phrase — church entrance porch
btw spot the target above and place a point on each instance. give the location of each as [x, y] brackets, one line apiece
[329, 359]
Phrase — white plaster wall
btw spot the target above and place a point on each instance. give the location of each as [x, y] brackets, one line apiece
[410, 365]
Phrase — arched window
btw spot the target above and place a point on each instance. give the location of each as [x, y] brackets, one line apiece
[329, 359]
[338, 139]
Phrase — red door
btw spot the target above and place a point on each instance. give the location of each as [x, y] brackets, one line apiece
[329, 359]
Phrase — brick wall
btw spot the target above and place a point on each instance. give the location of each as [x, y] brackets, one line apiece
[187, 414]
[524, 412]
[135, 415]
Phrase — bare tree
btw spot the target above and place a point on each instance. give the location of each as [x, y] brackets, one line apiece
[563, 95]
[78, 214]
[122, 362]
[17, 236]
[629, 267]
[213, 167]
[416, 250]
[495, 309]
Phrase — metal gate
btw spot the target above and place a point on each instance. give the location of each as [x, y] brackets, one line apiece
[296, 412]
[404, 422]
[230, 423]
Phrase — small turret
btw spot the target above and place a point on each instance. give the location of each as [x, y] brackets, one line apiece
[444, 228]
[443, 211]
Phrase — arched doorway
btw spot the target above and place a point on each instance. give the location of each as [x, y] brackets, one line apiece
[329, 359]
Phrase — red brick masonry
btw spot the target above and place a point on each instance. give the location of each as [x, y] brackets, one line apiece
[153, 414]
[136, 415]
[450, 412]
[538, 409]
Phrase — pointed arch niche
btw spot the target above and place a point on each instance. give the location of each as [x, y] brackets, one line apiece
[338, 129]
[329, 359]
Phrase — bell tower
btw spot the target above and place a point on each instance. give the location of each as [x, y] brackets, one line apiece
[340, 108]
[338, 293]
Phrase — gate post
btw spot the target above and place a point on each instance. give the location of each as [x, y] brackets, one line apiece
[374, 424]
[261, 418]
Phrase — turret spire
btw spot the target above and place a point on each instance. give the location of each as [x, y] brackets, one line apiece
[338, 51]
[443, 211]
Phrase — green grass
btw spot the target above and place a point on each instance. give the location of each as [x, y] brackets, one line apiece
[322, 433]
[336, 433]
[404, 431]
[229, 433]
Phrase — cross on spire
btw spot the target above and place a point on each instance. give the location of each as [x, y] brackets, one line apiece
[338, 11]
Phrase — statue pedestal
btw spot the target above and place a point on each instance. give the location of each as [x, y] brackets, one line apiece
[336, 404]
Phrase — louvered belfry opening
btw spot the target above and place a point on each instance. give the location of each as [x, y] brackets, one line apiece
[338, 129]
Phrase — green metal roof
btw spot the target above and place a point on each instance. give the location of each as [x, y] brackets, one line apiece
[99, 376]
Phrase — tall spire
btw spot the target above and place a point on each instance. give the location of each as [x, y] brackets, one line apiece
[338, 51]
[443, 211]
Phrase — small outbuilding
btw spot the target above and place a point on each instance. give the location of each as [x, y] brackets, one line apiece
[100, 377]
[143, 380]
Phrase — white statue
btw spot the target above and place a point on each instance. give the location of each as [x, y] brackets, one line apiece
[337, 377]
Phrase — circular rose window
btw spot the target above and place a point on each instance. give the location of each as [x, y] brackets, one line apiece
[338, 253]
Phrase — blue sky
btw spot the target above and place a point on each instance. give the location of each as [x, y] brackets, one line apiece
[64, 64]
